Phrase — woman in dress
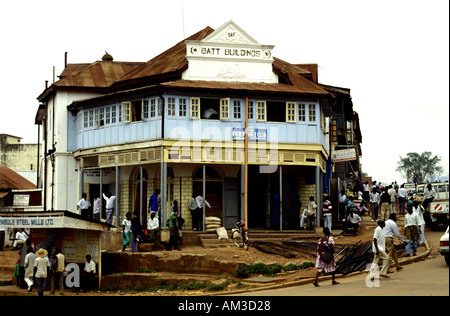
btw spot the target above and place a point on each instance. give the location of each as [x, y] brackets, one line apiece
[321, 266]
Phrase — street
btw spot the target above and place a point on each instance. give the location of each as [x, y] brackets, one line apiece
[429, 277]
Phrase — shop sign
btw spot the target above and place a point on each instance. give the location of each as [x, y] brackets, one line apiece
[254, 134]
[344, 155]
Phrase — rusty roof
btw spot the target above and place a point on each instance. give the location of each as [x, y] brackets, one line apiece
[100, 74]
[11, 180]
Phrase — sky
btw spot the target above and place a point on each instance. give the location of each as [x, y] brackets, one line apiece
[393, 55]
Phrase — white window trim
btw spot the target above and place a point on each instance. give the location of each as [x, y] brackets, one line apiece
[291, 112]
[194, 102]
[126, 114]
[263, 106]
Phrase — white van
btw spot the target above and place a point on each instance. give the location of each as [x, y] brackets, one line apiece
[438, 211]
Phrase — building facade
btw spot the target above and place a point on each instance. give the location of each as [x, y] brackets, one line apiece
[177, 123]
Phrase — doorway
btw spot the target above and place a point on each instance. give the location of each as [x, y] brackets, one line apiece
[213, 190]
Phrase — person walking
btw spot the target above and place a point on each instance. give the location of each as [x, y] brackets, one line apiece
[136, 229]
[200, 201]
[323, 265]
[393, 195]
[58, 271]
[385, 201]
[126, 230]
[374, 203]
[41, 264]
[419, 210]
[412, 231]
[173, 227]
[390, 231]
[110, 200]
[327, 212]
[402, 197]
[29, 267]
[379, 250]
[312, 206]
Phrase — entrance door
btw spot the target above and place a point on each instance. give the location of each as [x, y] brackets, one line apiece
[213, 191]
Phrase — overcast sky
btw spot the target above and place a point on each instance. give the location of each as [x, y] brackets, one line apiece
[393, 55]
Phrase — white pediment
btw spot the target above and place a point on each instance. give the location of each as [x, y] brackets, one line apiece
[230, 33]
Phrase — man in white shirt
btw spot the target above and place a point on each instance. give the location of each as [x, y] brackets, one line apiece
[200, 200]
[110, 200]
[353, 221]
[88, 273]
[97, 204]
[412, 231]
[153, 225]
[390, 231]
[84, 204]
[41, 263]
[392, 194]
[379, 250]
[402, 199]
[21, 237]
[428, 196]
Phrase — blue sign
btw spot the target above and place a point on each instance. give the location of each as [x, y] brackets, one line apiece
[254, 134]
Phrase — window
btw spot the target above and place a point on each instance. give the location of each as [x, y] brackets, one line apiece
[108, 115]
[86, 119]
[96, 117]
[171, 107]
[250, 110]
[126, 107]
[152, 107]
[195, 108]
[145, 109]
[113, 114]
[276, 111]
[237, 109]
[183, 107]
[224, 109]
[159, 107]
[291, 112]
[302, 112]
[102, 116]
[91, 118]
[261, 111]
[312, 112]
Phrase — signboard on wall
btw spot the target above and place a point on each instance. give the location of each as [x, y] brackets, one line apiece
[344, 155]
[21, 200]
[254, 134]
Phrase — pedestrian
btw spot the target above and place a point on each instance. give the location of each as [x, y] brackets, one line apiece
[88, 273]
[419, 211]
[366, 193]
[379, 250]
[23, 253]
[58, 271]
[350, 204]
[153, 226]
[342, 205]
[401, 196]
[20, 238]
[412, 231]
[155, 204]
[390, 231]
[110, 200]
[325, 244]
[385, 201]
[83, 205]
[29, 267]
[97, 205]
[312, 206]
[428, 196]
[136, 229]
[353, 221]
[393, 195]
[327, 212]
[126, 230]
[192, 206]
[374, 203]
[201, 201]
[173, 227]
[41, 264]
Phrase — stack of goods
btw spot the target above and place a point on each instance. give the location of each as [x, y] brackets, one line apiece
[212, 223]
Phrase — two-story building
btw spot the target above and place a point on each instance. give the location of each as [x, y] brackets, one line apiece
[178, 122]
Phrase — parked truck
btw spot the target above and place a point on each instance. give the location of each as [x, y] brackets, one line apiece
[437, 211]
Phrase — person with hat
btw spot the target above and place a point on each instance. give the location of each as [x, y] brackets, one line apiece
[41, 264]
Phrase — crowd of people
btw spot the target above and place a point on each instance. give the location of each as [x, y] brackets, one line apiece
[383, 243]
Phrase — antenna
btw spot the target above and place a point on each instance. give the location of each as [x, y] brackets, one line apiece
[182, 13]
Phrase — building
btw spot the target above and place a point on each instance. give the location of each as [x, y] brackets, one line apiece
[22, 158]
[178, 122]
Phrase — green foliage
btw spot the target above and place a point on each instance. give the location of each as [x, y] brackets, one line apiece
[420, 168]
[261, 268]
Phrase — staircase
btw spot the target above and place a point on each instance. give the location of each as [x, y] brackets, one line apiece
[210, 240]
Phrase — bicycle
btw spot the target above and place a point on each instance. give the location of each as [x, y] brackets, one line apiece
[240, 235]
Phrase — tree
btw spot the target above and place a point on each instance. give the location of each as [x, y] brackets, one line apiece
[420, 168]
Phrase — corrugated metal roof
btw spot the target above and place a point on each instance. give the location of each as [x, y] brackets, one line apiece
[100, 74]
[11, 180]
